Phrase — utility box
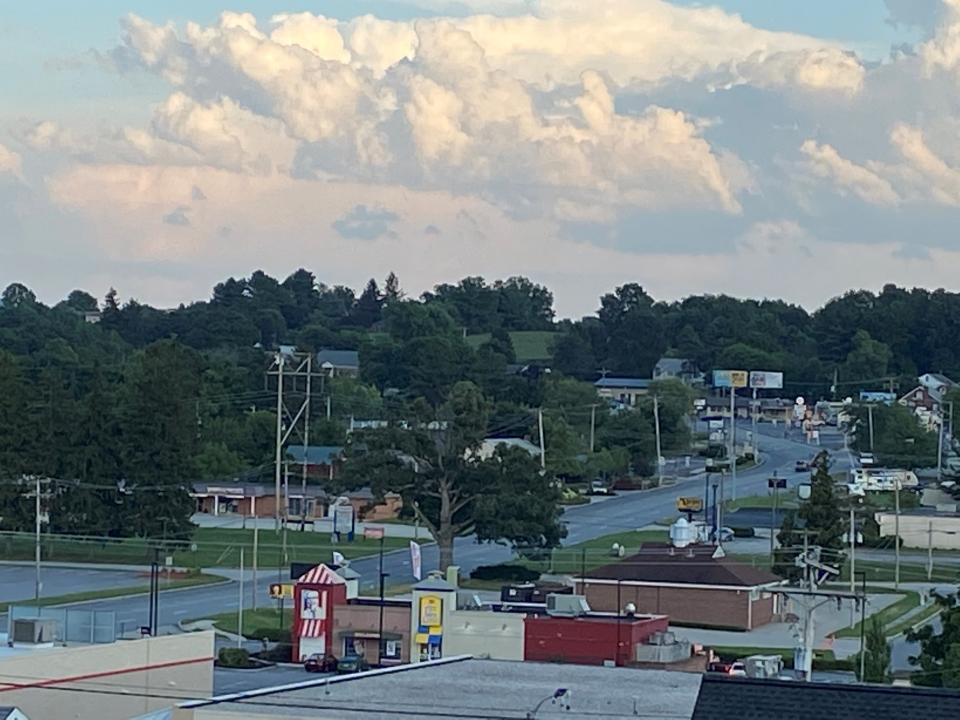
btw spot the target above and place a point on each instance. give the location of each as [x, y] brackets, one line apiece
[34, 632]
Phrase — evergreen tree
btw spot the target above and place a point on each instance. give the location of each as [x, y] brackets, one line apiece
[876, 660]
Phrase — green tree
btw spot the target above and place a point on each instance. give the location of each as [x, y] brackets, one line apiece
[435, 466]
[867, 360]
[876, 660]
[821, 515]
[939, 658]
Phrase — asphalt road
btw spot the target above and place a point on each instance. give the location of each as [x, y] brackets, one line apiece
[17, 581]
[628, 511]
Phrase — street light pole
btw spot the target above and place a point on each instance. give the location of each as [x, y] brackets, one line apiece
[656, 424]
[863, 619]
[896, 532]
[36, 590]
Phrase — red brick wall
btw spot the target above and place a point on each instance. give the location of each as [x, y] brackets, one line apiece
[366, 619]
[585, 641]
[711, 608]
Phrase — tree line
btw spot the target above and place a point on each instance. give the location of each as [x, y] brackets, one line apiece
[129, 410]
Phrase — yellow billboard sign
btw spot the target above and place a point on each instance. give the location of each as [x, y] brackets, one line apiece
[431, 611]
[731, 378]
[689, 504]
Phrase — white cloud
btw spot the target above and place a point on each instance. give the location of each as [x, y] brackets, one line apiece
[825, 162]
[923, 171]
[10, 162]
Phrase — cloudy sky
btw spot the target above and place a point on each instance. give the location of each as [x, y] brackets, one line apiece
[761, 148]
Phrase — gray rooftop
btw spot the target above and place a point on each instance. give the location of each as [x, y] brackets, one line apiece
[482, 689]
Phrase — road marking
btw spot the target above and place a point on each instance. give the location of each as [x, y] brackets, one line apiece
[178, 613]
[128, 620]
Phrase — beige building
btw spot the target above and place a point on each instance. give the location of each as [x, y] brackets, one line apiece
[115, 681]
[939, 530]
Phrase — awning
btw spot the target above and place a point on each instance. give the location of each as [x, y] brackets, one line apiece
[368, 635]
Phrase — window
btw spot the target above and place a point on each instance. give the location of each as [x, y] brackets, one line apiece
[391, 650]
[354, 646]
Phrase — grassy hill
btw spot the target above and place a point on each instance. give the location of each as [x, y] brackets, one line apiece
[528, 344]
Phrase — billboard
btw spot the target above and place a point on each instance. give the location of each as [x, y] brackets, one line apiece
[431, 611]
[730, 378]
[769, 380]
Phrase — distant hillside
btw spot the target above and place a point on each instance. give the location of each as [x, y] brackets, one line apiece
[527, 344]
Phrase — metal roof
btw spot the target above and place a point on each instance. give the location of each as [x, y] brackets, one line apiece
[627, 383]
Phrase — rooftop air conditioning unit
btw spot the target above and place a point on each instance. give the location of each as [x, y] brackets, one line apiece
[567, 605]
[34, 632]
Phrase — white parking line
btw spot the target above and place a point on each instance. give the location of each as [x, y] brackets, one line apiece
[178, 613]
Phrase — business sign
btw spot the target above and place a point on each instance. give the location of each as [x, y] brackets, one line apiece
[343, 516]
[281, 591]
[375, 532]
[878, 397]
[689, 504]
[766, 380]
[431, 611]
[730, 378]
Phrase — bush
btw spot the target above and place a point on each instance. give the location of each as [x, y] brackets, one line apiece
[234, 658]
[278, 653]
[507, 573]
[744, 532]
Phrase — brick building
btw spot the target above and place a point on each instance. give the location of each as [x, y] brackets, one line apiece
[588, 640]
[689, 584]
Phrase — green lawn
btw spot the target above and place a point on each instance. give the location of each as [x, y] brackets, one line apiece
[214, 548]
[592, 553]
[183, 582]
[914, 620]
[787, 499]
[887, 616]
[257, 624]
[527, 344]
[884, 572]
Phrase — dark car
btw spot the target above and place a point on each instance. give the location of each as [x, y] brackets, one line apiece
[320, 663]
[352, 664]
[802, 466]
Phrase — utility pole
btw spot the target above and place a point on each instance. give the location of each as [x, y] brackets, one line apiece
[306, 445]
[896, 532]
[929, 551]
[280, 362]
[756, 438]
[543, 450]
[656, 426]
[870, 416]
[593, 426]
[853, 550]
[240, 608]
[940, 448]
[293, 366]
[256, 552]
[733, 444]
[37, 583]
[286, 508]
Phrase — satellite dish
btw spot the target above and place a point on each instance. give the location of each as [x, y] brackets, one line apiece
[801, 401]
[804, 491]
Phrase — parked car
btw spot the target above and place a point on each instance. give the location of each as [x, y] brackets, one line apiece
[599, 487]
[726, 534]
[352, 664]
[736, 669]
[802, 466]
[320, 663]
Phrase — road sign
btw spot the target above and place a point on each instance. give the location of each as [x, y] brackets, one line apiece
[777, 482]
[689, 504]
[730, 378]
[375, 532]
[280, 591]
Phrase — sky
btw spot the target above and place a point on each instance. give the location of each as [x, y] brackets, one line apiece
[759, 148]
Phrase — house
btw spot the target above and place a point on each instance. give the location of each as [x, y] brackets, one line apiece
[621, 390]
[693, 585]
[930, 394]
[339, 362]
[246, 499]
[322, 461]
[678, 369]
